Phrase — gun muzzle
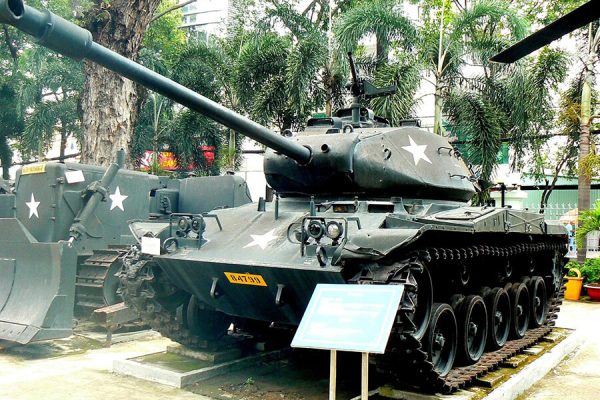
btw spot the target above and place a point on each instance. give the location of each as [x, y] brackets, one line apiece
[47, 29]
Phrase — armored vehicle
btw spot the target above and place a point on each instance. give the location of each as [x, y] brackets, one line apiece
[357, 202]
[53, 202]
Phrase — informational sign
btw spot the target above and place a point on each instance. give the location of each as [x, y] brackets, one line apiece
[355, 318]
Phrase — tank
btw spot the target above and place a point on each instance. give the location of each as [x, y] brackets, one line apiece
[356, 201]
[52, 203]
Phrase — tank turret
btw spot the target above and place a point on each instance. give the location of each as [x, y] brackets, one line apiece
[363, 157]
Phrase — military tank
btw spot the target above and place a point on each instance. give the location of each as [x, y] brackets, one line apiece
[357, 201]
[55, 202]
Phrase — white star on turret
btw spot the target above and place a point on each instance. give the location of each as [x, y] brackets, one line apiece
[117, 199]
[417, 151]
[262, 240]
[33, 205]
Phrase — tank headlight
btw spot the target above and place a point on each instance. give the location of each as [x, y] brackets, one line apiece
[335, 230]
[198, 224]
[316, 229]
[183, 224]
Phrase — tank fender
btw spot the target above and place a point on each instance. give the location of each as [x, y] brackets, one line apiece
[377, 243]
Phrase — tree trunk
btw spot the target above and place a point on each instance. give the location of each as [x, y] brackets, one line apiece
[583, 191]
[437, 115]
[109, 102]
[381, 50]
[63, 142]
[5, 157]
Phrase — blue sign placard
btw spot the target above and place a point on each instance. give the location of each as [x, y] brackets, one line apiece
[349, 318]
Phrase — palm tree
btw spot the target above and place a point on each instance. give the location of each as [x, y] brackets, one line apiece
[449, 38]
[278, 75]
[394, 61]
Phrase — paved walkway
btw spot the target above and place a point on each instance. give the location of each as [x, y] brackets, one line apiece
[578, 376]
[83, 376]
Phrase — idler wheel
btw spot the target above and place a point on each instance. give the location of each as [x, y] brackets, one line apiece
[520, 309]
[442, 338]
[205, 323]
[472, 329]
[499, 313]
[539, 301]
[420, 292]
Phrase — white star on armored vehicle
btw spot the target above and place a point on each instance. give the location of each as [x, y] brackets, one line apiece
[262, 240]
[417, 151]
[117, 199]
[33, 207]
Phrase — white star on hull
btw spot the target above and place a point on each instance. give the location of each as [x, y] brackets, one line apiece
[33, 207]
[417, 151]
[117, 199]
[262, 240]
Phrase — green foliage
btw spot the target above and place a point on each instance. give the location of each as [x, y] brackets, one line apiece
[479, 121]
[39, 91]
[50, 94]
[590, 270]
[164, 36]
[571, 266]
[381, 18]
[394, 63]
[589, 220]
[405, 74]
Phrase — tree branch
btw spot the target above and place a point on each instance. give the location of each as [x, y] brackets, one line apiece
[171, 9]
[13, 50]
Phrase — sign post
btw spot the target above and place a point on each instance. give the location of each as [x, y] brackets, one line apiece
[332, 374]
[355, 318]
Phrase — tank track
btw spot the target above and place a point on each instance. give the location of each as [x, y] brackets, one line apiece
[138, 283]
[93, 274]
[417, 371]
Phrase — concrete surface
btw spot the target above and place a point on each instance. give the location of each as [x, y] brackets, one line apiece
[82, 371]
[82, 375]
[180, 379]
[578, 376]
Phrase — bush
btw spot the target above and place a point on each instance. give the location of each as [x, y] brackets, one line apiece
[569, 266]
[591, 270]
[589, 221]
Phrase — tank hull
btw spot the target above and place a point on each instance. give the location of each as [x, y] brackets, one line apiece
[256, 243]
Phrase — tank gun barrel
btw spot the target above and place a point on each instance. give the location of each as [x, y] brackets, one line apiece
[73, 41]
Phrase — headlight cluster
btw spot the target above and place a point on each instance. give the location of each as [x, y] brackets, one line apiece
[187, 224]
[316, 229]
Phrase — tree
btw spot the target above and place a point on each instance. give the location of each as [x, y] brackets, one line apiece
[394, 62]
[451, 37]
[110, 102]
[49, 98]
[590, 60]
[43, 89]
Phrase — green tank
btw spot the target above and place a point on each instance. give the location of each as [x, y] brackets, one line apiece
[357, 201]
[52, 203]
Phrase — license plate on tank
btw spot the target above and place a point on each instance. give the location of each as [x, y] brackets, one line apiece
[245, 279]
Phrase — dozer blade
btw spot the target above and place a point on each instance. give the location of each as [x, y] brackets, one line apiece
[37, 286]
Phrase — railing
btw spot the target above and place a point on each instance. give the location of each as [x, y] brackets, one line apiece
[553, 212]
